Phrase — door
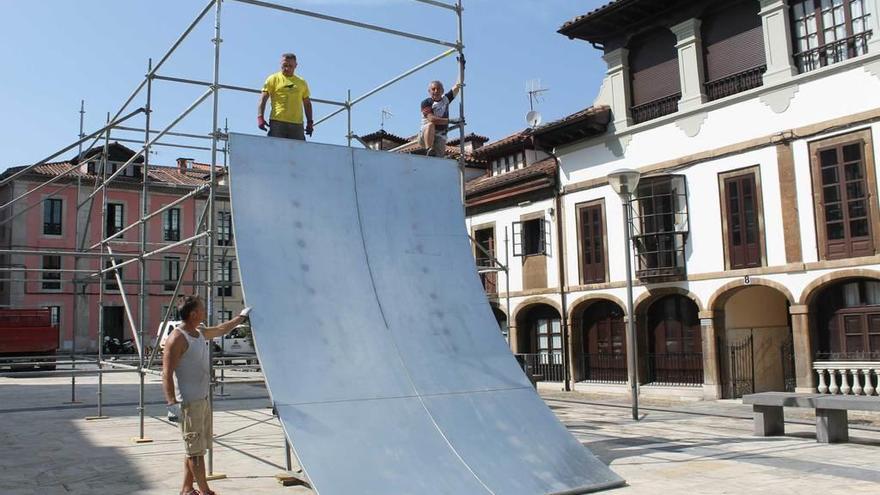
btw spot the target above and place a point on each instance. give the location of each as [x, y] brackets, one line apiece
[114, 322]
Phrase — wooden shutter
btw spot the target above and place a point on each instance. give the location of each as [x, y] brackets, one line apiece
[743, 232]
[653, 61]
[592, 244]
[733, 40]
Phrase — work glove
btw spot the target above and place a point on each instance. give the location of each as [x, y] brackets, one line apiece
[261, 123]
[245, 312]
[173, 412]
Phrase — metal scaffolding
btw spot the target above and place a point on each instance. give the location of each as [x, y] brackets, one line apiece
[201, 246]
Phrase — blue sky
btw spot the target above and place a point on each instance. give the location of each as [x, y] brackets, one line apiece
[56, 52]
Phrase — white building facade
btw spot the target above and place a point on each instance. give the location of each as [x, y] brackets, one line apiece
[756, 249]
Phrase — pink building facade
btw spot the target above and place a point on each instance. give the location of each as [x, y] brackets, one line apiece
[61, 218]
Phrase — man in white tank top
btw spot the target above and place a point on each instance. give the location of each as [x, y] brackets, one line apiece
[186, 359]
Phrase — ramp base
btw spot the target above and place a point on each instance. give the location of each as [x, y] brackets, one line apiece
[292, 478]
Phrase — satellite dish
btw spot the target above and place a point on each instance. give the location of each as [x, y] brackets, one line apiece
[533, 118]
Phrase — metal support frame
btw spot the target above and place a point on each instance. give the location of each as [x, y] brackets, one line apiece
[103, 250]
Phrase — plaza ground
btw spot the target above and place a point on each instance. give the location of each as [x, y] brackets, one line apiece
[47, 447]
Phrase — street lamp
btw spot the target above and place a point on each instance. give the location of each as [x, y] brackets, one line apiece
[624, 183]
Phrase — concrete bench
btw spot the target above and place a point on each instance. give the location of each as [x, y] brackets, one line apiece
[831, 412]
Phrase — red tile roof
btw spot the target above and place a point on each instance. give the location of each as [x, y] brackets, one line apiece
[543, 168]
[195, 176]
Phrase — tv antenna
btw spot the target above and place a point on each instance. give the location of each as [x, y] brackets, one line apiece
[385, 113]
[535, 91]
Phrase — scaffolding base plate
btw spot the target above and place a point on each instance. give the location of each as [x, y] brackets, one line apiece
[141, 440]
[94, 418]
[215, 476]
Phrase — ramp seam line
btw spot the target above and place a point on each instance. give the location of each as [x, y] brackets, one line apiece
[395, 397]
[409, 377]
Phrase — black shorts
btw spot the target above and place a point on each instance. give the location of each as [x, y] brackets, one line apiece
[287, 130]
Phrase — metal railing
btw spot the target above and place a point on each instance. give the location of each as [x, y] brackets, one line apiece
[833, 52]
[655, 109]
[678, 369]
[735, 83]
[604, 368]
[542, 367]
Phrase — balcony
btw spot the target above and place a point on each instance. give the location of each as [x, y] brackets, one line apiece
[655, 109]
[832, 53]
[735, 83]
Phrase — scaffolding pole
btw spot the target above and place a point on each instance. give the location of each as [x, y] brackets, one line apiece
[208, 219]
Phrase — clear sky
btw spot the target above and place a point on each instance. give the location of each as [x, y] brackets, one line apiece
[54, 53]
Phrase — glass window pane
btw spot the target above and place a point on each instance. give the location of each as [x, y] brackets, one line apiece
[835, 231]
[858, 228]
[828, 157]
[829, 175]
[857, 209]
[855, 190]
[831, 194]
[852, 152]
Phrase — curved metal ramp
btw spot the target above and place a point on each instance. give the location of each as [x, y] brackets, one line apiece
[381, 354]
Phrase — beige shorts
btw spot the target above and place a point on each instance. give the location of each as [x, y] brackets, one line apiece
[195, 426]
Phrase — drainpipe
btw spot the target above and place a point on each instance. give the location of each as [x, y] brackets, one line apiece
[566, 331]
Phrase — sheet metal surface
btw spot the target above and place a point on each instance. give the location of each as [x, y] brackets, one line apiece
[379, 348]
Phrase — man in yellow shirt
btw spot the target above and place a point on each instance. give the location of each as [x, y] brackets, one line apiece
[290, 96]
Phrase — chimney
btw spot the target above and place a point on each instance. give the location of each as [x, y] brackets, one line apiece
[183, 164]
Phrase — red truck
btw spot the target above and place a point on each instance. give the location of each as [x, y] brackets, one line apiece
[28, 332]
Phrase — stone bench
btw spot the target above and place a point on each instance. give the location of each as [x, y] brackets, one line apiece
[831, 412]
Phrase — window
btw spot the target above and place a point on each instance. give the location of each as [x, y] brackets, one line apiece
[224, 289]
[51, 279]
[224, 228]
[843, 185]
[660, 227]
[733, 48]
[485, 254]
[115, 218]
[531, 237]
[654, 76]
[224, 315]
[171, 225]
[54, 315]
[174, 314]
[848, 318]
[591, 229]
[52, 208]
[549, 333]
[110, 277]
[741, 219]
[171, 273]
[828, 31]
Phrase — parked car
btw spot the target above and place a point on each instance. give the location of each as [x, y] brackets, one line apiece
[238, 341]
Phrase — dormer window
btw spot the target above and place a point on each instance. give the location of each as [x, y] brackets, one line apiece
[827, 32]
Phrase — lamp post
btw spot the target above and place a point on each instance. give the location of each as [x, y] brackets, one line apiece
[624, 183]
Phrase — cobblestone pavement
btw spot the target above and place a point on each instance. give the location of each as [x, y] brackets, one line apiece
[47, 447]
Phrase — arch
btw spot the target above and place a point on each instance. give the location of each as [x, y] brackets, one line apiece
[818, 284]
[581, 303]
[530, 302]
[498, 307]
[642, 302]
[720, 296]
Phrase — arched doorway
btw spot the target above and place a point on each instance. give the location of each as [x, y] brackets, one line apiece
[601, 345]
[501, 319]
[846, 319]
[675, 348]
[539, 333]
[755, 347]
